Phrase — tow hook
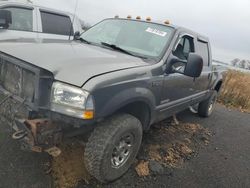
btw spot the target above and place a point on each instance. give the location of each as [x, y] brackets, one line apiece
[19, 135]
[40, 135]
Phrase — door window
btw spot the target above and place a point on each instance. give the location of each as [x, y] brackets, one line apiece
[184, 47]
[203, 51]
[22, 19]
[56, 24]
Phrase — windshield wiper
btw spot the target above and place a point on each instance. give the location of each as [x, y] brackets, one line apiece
[113, 46]
[84, 40]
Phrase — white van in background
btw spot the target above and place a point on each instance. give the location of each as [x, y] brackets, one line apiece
[26, 20]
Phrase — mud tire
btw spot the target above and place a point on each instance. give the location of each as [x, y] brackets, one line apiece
[100, 146]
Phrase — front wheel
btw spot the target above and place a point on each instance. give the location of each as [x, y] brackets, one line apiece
[206, 107]
[112, 147]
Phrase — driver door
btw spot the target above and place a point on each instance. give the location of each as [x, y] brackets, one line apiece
[178, 89]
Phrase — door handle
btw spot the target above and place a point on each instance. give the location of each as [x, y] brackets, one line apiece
[208, 77]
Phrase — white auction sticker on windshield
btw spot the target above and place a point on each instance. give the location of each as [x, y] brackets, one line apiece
[156, 31]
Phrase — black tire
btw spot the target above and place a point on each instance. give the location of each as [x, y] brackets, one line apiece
[206, 107]
[100, 150]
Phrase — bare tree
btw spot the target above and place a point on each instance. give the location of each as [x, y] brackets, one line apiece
[85, 25]
[242, 64]
[235, 61]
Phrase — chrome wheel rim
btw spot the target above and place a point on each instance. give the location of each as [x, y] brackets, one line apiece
[211, 106]
[122, 151]
[194, 108]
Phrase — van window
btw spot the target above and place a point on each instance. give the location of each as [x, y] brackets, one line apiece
[22, 19]
[203, 51]
[56, 24]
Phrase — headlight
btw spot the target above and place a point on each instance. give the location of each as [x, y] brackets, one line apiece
[72, 101]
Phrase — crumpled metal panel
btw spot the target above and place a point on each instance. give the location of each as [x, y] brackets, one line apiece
[44, 132]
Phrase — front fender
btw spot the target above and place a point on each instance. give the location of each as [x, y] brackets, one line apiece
[108, 103]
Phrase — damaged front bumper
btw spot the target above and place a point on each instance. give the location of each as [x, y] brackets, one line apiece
[39, 135]
[35, 133]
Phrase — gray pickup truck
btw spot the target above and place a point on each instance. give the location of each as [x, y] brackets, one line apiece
[109, 85]
[30, 21]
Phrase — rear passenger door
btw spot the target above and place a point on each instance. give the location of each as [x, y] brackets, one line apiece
[55, 26]
[203, 49]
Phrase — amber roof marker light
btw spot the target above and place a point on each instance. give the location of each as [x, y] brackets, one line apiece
[129, 17]
[167, 22]
[138, 17]
[148, 19]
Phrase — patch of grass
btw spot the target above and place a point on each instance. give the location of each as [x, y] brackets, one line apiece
[236, 90]
[142, 168]
[170, 144]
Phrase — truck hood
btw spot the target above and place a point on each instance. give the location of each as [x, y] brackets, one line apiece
[70, 62]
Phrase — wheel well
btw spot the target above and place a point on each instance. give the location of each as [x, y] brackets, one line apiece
[218, 86]
[140, 110]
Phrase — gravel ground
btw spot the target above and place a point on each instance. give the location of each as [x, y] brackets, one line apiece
[224, 162]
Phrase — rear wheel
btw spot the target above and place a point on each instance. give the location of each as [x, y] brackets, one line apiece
[206, 107]
[112, 147]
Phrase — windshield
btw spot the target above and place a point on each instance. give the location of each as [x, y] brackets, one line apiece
[142, 38]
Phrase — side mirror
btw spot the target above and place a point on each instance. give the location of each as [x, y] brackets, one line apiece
[194, 65]
[77, 35]
[5, 19]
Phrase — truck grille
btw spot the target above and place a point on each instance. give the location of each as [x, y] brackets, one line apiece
[17, 80]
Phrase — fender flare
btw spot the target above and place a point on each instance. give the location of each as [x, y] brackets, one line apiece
[126, 97]
[217, 85]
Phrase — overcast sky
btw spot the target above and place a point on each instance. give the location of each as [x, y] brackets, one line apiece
[225, 22]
